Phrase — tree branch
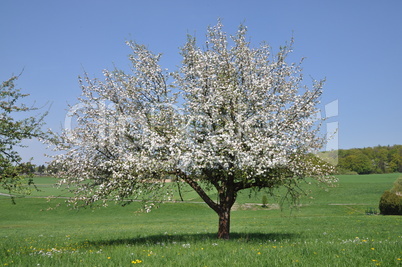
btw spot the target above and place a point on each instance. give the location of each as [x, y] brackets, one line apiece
[197, 188]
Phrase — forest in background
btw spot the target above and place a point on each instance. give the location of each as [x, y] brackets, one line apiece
[378, 159]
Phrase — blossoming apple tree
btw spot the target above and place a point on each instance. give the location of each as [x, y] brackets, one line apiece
[232, 117]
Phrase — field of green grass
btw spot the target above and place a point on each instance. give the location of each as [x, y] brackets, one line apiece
[329, 228]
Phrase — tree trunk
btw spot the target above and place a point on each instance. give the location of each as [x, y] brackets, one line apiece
[224, 223]
[227, 197]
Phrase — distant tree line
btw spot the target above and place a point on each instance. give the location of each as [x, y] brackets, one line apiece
[379, 159]
[27, 168]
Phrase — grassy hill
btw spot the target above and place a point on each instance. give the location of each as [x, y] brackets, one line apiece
[328, 228]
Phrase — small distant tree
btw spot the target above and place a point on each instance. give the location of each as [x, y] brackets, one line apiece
[12, 132]
[244, 120]
[264, 201]
[41, 169]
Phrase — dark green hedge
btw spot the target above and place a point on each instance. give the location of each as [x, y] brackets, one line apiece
[390, 203]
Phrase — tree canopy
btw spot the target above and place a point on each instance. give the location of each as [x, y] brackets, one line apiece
[232, 117]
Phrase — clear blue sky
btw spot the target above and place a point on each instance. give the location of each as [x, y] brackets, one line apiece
[356, 45]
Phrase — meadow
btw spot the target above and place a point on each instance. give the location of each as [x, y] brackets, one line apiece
[331, 227]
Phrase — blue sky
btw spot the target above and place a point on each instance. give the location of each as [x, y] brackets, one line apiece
[356, 45]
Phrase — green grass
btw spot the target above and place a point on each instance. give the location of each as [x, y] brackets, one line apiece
[331, 229]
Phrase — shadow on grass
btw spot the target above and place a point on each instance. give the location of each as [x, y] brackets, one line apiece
[194, 238]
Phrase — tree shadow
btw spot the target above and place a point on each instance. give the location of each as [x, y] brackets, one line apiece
[195, 238]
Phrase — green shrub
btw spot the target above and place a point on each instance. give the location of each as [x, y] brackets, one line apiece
[264, 201]
[391, 203]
